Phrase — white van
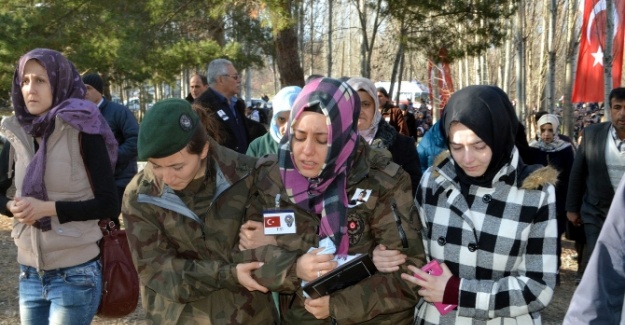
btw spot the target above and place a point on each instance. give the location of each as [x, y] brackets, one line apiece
[412, 90]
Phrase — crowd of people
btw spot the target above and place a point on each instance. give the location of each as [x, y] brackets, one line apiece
[230, 218]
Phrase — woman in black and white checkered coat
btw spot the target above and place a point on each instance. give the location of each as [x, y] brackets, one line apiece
[488, 218]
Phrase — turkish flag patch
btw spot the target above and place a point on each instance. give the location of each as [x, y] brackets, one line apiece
[272, 222]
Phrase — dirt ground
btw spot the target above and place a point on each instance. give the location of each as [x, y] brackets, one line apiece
[9, 304]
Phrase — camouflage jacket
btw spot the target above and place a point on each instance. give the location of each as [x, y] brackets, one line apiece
[183, 244]
[381, 299]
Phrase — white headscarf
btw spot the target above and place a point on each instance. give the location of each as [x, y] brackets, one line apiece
[368, 86]
[282, 102]
[555, 145]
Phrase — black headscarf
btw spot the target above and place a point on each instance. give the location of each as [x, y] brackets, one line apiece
[488, 112]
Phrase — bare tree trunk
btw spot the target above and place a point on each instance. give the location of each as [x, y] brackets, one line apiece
[482, 60]
[311, 43]
[330, 35]
[411, 68]
[551, 75]
[401, 75]
[398, 58]
[467, 75]
[184, 76]
[478, 72]
[571, 54]
[540, 79]
[505, 82]
[275, 77]
[461, 74]
[291, 72]
[484, 69]
[520, 65]
[107, 87]
[350, 51]
[376, 24]
[248, 84]
[364, 39]
[500, 73]
[396, 67]
[367, 42]
[342, 65]
[301, 23]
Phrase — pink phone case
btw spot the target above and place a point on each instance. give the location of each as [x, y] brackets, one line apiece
[434, 268]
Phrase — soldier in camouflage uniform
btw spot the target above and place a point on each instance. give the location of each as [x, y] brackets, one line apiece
[182, 215]
[379, 299]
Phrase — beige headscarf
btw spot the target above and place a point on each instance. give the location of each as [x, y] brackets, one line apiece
[368, 86]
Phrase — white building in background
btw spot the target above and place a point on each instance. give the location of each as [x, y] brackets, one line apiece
[412, 90]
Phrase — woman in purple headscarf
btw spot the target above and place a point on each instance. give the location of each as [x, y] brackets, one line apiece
[61, 156]
[319, 176]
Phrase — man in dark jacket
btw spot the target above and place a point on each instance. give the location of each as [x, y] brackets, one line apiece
[197, 85]
[597, 169]
[220, 99]
[392, 115]
[409, 119]
[599, 297]
[125, 128]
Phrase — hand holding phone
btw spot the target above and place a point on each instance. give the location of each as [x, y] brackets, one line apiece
[434, 268]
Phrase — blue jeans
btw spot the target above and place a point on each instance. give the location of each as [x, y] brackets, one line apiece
[66, 296]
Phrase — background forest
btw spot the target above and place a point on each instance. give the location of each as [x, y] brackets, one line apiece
[148, 48]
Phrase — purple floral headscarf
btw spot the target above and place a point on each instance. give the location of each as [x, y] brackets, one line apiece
[326, 194]
[68, 103]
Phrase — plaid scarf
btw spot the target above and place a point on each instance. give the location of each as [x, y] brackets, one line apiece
[325, 195]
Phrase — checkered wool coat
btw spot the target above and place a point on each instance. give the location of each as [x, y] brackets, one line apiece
[502, 246]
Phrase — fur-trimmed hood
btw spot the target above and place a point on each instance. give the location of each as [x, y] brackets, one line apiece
[540, 177]
[385, 136]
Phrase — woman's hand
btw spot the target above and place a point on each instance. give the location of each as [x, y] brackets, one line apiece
[432, 287]
[251, 236]
[244, 275]
[320, 307]
[311, 266]
[27, 210]
[387, 260]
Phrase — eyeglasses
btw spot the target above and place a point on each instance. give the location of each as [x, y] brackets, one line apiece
[235, 77]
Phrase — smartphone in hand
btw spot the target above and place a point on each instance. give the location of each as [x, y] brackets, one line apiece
[434, 268]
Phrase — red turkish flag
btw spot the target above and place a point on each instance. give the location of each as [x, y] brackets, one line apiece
[588, 84]
[272, 222]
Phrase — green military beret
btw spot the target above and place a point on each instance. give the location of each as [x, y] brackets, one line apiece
[167, 128]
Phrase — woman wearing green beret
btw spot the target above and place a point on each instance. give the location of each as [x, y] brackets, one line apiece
[182, 215]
